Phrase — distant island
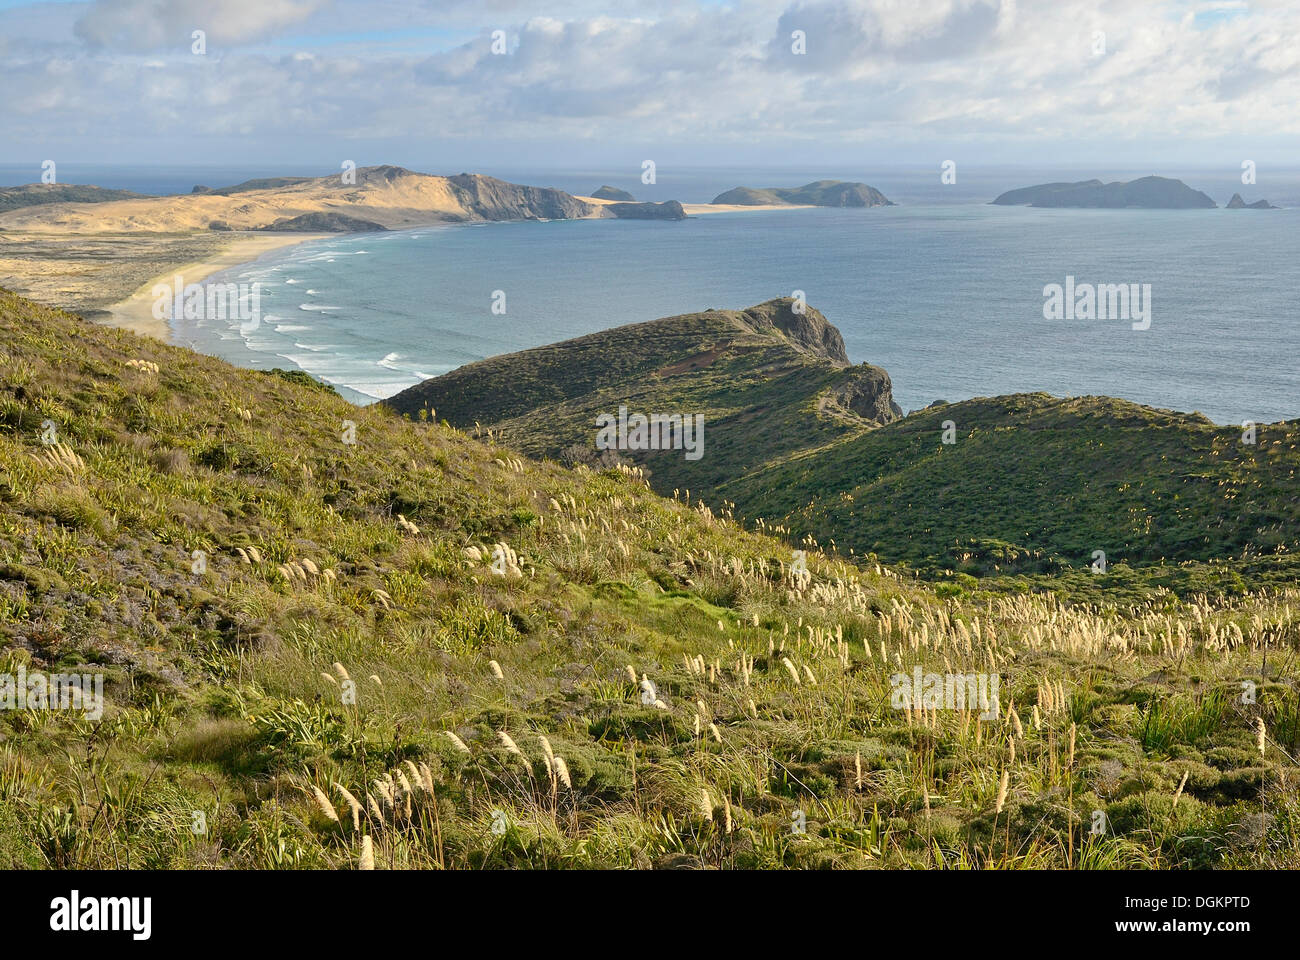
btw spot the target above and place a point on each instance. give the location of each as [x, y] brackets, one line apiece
[613, 193]
[1154, 193]
[821, 193]
[668, 210]
[1236, 203]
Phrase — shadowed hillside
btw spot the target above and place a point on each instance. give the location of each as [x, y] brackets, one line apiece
[1033, 483]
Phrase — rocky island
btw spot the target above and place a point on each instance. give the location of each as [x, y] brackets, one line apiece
[613, 193]
[1236, 203]
[1154, 193]
[668, 210]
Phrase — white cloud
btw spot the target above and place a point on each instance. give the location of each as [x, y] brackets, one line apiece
[876, 71]
[141, 25]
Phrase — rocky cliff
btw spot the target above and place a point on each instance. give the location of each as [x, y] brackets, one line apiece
[806, 329]
[487, 198]
[867, 392]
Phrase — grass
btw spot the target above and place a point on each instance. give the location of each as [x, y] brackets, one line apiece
[330, 650]
[1028, 490]
[1146, 486]
[763, 394]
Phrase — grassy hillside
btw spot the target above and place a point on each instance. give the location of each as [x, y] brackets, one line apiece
[347, 681]
[1029, 487]
[1034, 483]
[770, 383]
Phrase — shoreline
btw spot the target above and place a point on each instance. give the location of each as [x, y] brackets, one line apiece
[135, 313]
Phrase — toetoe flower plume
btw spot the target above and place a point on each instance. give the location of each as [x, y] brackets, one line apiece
[324, 805]
[562, 771]
[353, 804]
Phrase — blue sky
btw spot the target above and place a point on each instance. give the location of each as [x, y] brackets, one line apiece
[587, 83]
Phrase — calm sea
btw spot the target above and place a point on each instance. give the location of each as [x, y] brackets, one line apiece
[944, 291]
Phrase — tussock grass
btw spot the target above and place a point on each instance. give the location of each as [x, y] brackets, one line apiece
[637, 681]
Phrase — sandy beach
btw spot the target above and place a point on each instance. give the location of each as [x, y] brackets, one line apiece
[135, 313]
[102, 260]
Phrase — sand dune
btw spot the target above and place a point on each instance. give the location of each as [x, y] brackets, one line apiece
[103, 259]
[390, 197]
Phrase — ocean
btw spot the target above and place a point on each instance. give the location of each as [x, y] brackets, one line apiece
[944, 291]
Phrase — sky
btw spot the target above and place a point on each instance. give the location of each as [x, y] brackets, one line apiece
[457, 84]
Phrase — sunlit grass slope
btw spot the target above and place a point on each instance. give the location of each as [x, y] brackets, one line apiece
[419, 650]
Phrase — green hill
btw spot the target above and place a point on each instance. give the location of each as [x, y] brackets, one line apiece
[768, 381]
[421, 650]
[1034, 484]
[1030, 484]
